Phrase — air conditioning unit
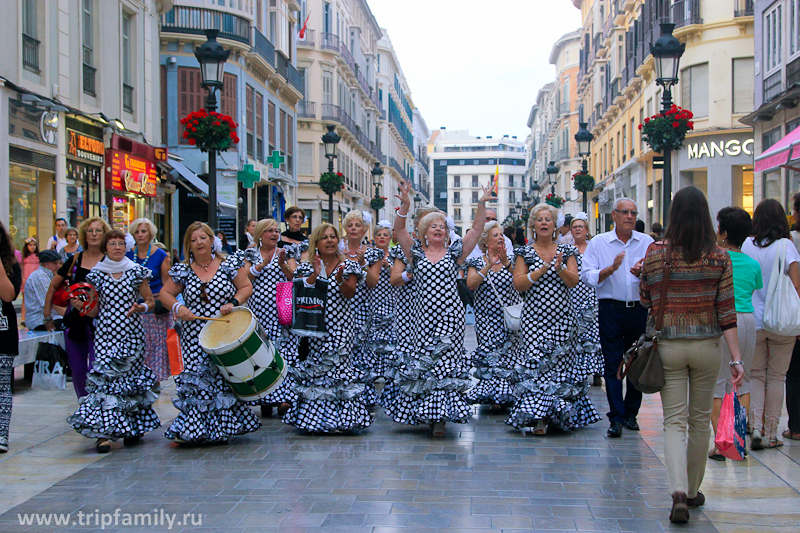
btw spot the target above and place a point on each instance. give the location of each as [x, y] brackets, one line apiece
[204, 168]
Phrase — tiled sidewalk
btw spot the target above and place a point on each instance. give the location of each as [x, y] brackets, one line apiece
[483, 476]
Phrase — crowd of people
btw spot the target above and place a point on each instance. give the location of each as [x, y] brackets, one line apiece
[553, 309]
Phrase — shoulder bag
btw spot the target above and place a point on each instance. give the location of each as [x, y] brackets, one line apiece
[782, 305]
[642, 362]
[512, 314]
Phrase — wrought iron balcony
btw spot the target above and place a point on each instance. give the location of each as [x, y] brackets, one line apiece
[686, 12]
[308, 39]
[127, 98]
[306, 109]
[295, 78]
[564, 108]
[89, 80]
[793, 73]
[744, 8]
[195, 20]
[30, 53]
[330, 41]
[375, 97]
[263, 47]
[331, 112]
[348, 58]
[773, 86]
[395, 165]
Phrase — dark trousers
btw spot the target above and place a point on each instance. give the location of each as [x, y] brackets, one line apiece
[620, 327]
[793, 390]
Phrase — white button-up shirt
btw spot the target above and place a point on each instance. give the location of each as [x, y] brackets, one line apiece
[601, 252]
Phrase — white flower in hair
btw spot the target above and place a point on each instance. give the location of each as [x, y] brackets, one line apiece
[130, 242]
[581, 216]
[367, 217]
[217, 244]
[561, 220]
[451, 224]
[384, 224]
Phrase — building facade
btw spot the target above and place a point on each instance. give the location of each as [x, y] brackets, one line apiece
[466, 164]
[261, 91]
[76, 90]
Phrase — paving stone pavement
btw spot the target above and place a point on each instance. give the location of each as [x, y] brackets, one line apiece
[483, 476]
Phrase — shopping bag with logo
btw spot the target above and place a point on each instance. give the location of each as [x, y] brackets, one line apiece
[174, 350]
[48, 370]
[308, 308]
[283, 297]
[732, 427]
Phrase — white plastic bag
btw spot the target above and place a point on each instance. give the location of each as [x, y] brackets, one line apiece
[782, 305]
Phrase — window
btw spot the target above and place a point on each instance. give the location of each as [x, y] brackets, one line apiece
[249, 96]
[475, 182]
[457, 214]
[511, 181]
[456, 181]
[457, 197]
[769, 138]
[694, 89]
[794, 27]
[791, 125]
[30, 45]
[624, 147]
[260, 126]
[512, 197]
[88, 49]
[474, 197]
[327, 88]
[289, 142]
[773, 37]
[630, 132]
[474, 212]
[127, 77]
[271, 126]
[743, 85]
[284, 137]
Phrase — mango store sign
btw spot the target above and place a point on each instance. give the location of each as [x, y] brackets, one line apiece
[733, 148]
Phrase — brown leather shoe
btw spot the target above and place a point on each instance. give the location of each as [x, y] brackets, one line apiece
[680, 509]
[697, 501]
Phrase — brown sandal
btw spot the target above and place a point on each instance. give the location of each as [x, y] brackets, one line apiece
[715, 455]
[789, 435]
[773, 443]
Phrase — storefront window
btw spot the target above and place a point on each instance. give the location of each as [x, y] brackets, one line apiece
[31, 204]
[772, 185]
[794, 185]
[83, 192]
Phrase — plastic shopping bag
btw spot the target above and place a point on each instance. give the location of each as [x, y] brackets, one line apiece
[48, 370]
[309, 303]
[174, 350]
[732, 427]
[283, 296]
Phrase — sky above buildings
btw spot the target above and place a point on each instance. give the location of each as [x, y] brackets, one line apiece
[476, 64]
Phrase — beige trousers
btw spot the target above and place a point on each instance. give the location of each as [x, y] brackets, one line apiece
[690, 369]
[767, 377]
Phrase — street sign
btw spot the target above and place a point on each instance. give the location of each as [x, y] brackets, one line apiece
[658, 162]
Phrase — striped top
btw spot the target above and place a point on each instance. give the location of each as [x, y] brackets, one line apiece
[700, 299]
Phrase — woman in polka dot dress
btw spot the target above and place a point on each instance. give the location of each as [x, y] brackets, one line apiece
[584, 300]
[330, 390]
[435, 374]
[120, 388]
[266, 266]
[553, 377]
[211, 284]
[489, 276]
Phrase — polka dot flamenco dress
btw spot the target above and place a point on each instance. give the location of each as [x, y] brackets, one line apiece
[493, 360]
[209, 411]
[584, 301]
[264, 306]
[330, 391]
[434, 374]
[120, 388]
[552, 377]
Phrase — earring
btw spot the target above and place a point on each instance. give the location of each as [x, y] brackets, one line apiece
[259, 242]
[426, 240]
[534, 234]
[555, 234]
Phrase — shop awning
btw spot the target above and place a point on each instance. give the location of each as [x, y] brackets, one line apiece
[781, 154]
[194, 180]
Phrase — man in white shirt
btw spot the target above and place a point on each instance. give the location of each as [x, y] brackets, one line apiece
[612, 264]
[59, 240]
[491, 216]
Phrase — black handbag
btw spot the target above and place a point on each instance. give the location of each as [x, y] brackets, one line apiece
[642, 362]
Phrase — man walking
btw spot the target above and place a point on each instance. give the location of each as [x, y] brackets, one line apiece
[59, 240]
[612, 264]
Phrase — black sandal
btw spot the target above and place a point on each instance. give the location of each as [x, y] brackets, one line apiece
[102, 446]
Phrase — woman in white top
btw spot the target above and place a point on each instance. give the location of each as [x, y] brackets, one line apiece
[773, 352]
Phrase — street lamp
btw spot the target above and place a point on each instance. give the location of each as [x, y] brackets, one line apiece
[552, 175]
[667, 52]
[417, 202]
[212, 57]
[377, 180]
[535, 188]
[584, 140]
[331, 140]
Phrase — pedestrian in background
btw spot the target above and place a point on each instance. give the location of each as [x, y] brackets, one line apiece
[612, 264]
[698, 309]
[30, 262]
[58, 241]
[226, 247]
[773, 352]
[295, 217]
[10, 284]
[793, 373]
[246, 240]
[656, 231]
[72, 247]
[36, 292]
[584, 302]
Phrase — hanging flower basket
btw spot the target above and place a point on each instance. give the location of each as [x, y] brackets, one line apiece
[210, 132]
[377, 203]
[554, 200]
[331, 182]
[583, 182]
[667, 129]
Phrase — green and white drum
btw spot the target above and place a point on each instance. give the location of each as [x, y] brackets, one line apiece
[245, 357]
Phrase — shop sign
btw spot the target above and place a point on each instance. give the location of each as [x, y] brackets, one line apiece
[30, 122]
[733, 147]
[82, 146]
[128, 173]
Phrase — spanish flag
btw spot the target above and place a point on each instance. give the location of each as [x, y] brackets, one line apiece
[496, 180]
[302, 33]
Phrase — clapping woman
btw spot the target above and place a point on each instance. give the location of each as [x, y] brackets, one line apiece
[490, 277]
[211, 284]
[584, 301]
[330, 397]
[120, 388]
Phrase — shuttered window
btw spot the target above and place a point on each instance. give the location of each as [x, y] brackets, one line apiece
[271, 119]
[743, 85]
[192, 96]
[250, 131]
[260, 126]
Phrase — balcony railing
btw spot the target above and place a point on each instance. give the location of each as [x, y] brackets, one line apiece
[330, 41]
[348, 58]
[337, 114]
[375, 97]
[562, 154]
[331, 112]
[395, 165]
[263, 47]
[281, 65]
[597, 43]
[30, 52]
[686, 12]
[195, 20]
[773, 86]
[127, 98]
[88, 80]
[306, 109]
[744, 8]
[793, 73]
[362, 81]
[295, 78]
[564, 108]
[423, 163]
[307, 40]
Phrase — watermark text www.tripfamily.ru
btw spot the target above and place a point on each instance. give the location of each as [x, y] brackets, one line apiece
[158, 518]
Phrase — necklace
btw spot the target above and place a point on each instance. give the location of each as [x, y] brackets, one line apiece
[205, 267]
[146, 259]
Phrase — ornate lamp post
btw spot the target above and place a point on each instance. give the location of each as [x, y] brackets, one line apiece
[417, 203]
[331, 140]
[212, 57]
[552, 175]
[667, 52]
[584, 140]
[377, 181]
[535, 188]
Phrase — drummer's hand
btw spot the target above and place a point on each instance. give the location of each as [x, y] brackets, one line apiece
[136, 308]
[226, 309]
[184, 313]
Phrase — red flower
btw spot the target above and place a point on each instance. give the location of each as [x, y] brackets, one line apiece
[192, 141]
[690, 124]
[640, 126]
[676, 124]
[185, 134]
[689, 114]
[217, 123]
[339, 174]
[196, 122]
[233, 134]
[646, 120]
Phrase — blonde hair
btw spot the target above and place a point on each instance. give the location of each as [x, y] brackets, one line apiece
[151, 228]
[261, 226]
[422, 212]
[381, 228]
[316, 235]
[426, 222]
[355, 214]
[535, 213]
[85, 225]
[487, 228]
[187, 239]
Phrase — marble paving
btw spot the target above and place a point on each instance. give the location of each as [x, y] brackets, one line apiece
[483, 476]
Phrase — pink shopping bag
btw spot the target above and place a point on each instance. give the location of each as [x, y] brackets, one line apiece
[283, 295]
[731, 428]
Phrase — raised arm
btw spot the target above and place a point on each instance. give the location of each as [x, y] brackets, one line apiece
[400, 229]
[472, 236]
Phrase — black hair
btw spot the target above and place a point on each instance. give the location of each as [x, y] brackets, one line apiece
[736, 223]
[769, 223]
[690, 224]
